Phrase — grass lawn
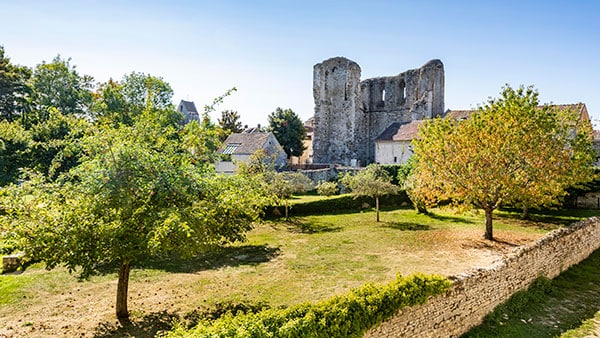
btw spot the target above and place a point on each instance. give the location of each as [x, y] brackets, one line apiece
[282, 263]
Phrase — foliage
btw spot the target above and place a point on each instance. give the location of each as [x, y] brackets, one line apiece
[509, 151]
[230, 123]
[349, 315]
[373, 181]
[146, 92]
[124, 101]
[327, 188]
[14, 147]
[58, 85]
[135, 195]
[343, 203]
[14, 88]
[289, 131]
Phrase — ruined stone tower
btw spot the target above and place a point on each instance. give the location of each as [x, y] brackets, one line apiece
[350, 114]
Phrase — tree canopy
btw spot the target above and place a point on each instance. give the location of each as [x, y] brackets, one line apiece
[510, 150]
[373, 181]
[14, 88]
[57, 84]
[289, 131]
[230, 123]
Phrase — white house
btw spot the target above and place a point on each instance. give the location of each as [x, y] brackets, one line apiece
[393, 146]
[239, 146]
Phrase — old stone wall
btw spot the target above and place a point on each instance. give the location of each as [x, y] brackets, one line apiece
[477, 293]
[350, 113]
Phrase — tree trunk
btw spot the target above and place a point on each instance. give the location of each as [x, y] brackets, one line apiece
[377, 207]
[488, 224]
[287, 218]
[525, 213]
[122, 288]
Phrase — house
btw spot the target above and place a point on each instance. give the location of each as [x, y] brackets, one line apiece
[307, 155]
[189, 111]
[393, 145]
[239, 147]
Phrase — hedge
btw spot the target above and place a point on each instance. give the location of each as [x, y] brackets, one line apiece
[349, 315]
[342, 203]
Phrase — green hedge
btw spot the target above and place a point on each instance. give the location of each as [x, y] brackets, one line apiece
[349, 315]
[341, 203]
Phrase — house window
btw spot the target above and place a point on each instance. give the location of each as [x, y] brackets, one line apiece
[395, 159]
[230, 149]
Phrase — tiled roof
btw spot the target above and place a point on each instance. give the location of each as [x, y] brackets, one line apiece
[459, 114]
[580, 108]
[401, 131]
[244, 143]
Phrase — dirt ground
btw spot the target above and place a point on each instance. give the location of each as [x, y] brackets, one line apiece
[88, 309]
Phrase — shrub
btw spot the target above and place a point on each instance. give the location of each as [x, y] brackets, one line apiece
[348, 315]
[327, 188]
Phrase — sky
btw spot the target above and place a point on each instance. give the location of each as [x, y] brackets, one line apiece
[267, 49]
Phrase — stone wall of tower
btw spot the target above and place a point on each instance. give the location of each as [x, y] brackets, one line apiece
[339, 121]
[350, 114]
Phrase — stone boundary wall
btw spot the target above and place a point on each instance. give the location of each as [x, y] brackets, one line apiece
[475, 294]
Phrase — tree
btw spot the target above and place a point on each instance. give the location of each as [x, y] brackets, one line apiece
[373, 181]
[124, 101]
[327, 188]
[279, 186]
[509, 150]
[230, 123]
[14, 88]
[407, 181]
[282, 185]
[132, 198]
[289, 131]
[58, 85]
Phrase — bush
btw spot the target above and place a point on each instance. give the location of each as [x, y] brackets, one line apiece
[327, 188]
[349, 315]
[342, 203]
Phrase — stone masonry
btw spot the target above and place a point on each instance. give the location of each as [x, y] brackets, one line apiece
[475, 294]
[350, 113]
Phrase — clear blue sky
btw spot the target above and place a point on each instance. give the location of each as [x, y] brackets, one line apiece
[267, 49]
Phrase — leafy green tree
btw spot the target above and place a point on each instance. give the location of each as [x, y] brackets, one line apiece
[508, 151]
[407, 180]
[279, 186]
[144, 91]
[124, 101]
[133, 197]
[58, 85]
[373, 181]
[327, 188]
[289, 131]
[282, 185]
[15, 143]
[14, 88]
[230, 123]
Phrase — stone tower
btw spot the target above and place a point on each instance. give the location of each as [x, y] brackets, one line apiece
[350, 114]
[339, 120]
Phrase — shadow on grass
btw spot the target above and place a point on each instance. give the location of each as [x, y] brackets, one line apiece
[407, 226]
[299, 224]
[148, 326]
[559, 217]
[220, 257]
[454, 219]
